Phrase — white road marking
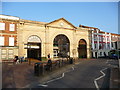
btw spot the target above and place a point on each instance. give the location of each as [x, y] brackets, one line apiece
[63, 74]
[55, 79]
[42, 85]
[95, 81]
[77, 63]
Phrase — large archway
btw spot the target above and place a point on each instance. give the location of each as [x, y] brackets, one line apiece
[34, 47]
[61, 46]
[82, 49]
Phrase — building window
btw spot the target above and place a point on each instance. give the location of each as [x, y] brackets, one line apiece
[11, 41]
[95, 46]
[100, 46]
[100, 38]
[104, 39]
[1, 41]
[95, 38]
[55, 51]
[2, 26]
[108, 46]
[112, 44]
[104, 46]
[108, 39]
[12, 27]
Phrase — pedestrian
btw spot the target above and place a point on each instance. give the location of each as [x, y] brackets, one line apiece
[16, 59]
[48, 56]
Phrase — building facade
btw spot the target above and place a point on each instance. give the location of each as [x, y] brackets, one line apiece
[8, 37]
[57, 38]
[103, 42]
[115, 38]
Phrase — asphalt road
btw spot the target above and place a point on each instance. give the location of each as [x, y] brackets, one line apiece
[81, 75]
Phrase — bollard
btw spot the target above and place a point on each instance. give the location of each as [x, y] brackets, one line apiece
[71, 61]
[38, 69]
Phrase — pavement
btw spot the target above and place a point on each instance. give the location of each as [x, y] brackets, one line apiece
[115, 74]
[22, 75]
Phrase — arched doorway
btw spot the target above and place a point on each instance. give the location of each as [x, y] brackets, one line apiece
[82, 49]
[61, 46]
[34, 47]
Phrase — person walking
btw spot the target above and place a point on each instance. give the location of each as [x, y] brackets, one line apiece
[16, 60]
[48, 56]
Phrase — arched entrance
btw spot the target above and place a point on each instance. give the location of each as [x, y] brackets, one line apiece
[34, 47]
[61, 46]
[82, 49]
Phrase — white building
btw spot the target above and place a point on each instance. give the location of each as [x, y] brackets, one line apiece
[103, 42]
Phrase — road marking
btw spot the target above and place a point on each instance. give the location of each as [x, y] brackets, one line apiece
[95, 81]
[77, 63]
[55, 79]
[42, 85]
[63, 74]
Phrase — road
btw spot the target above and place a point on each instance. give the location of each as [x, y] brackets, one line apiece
[81, 75]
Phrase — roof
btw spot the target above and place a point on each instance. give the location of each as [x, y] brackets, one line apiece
[115, 34]
[30, 21]
[87, 27]
[7, 17]
[64, 20]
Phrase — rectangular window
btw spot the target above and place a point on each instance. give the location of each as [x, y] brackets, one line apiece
[108, 39]
[55, 51]
[95, 46]
[95, 38]
[12, 27]
[1, 41]
[11, 41]
[108, 46]
[2, 26]
[112, 44]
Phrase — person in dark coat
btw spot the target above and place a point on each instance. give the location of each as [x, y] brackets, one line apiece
[16, 58]
[49, 56]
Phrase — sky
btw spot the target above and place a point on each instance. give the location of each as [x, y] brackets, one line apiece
[102, 15]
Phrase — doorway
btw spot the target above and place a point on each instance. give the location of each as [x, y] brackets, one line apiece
[34, 47]
[82, 49]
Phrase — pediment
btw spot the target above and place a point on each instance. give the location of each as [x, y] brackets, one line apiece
[63, 23]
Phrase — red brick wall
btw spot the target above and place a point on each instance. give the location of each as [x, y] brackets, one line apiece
[11, 33]
[7, 25]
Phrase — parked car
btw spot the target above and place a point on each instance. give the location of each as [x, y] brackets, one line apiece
[114, 54]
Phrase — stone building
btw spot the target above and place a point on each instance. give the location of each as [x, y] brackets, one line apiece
[8, 37]
[60, 38]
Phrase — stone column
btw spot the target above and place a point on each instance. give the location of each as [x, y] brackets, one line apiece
[20, 40]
